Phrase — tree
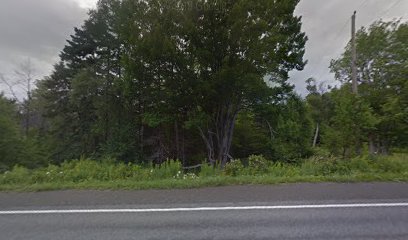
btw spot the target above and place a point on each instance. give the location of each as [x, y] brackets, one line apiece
[320, 107]
[83, 86]
[10, 143]
[24, 81]
[279, 130]
[204, 62]
[156, 75]
[348, 126]
[14, 148]
[382, 70]
[290, 128]
[234, 45]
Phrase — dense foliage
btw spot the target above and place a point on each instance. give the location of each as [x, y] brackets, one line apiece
[106, 174]
[382, 118]
[15, 148]
[143, 82]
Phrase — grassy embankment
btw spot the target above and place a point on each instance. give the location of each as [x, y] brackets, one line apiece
[88, 174]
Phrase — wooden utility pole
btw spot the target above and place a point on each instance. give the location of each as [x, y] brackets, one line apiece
[354, 53]
[359, 143]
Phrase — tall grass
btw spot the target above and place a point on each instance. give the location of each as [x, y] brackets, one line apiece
[83, 172]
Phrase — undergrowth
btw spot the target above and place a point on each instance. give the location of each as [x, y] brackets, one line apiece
[108, 174]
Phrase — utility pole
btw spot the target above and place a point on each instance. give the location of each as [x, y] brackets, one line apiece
[354, 53]
[359, 143]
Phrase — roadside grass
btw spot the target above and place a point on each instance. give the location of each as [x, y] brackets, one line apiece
[107, 175]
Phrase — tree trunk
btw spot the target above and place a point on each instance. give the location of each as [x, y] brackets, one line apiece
[225, 146]
[183, 153]
[272, 136]
[359, 148]
[209, 144]
[141, 140]
[27, 117]
[316, 135]
[141, 128]
[372, 148]
[176, 130]
[108, 84]
[344, 152]
[384, 149]
[219, 142]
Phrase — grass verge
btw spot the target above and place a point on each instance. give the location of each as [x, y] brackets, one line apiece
[87, 174]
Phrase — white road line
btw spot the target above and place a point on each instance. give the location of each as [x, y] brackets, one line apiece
[152, 210]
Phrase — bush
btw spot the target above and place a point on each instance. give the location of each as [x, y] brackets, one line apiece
[358, 165]
[283, 170]
[234, 168]
[389, 165]
[86, 170]
[207, 170]
[167, 170]
[257, 165]
[320, 166]
[17, 175]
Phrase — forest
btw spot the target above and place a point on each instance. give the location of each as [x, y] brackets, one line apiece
[205, 83]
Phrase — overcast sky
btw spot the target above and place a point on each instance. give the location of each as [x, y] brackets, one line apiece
[38, 29]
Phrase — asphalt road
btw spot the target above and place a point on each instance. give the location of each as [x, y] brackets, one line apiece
[296, 211]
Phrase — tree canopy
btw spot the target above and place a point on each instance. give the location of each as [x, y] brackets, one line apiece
[382, 74]
[206, 80]
[140, 80]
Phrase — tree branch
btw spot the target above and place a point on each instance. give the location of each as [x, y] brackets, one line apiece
[10, 86]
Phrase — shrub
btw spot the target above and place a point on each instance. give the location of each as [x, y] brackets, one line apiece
[389, 165]
[207, 170]
[358, 165]
[257, 165]
[321, 166]
[51, 173]
[167, 170]
[280, 169]
[17, 175]
[84, 170]
[123, 171]
[234, 168]
[187, 176]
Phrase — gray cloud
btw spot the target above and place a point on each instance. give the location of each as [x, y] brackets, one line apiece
[328, 26]
[37, 29]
